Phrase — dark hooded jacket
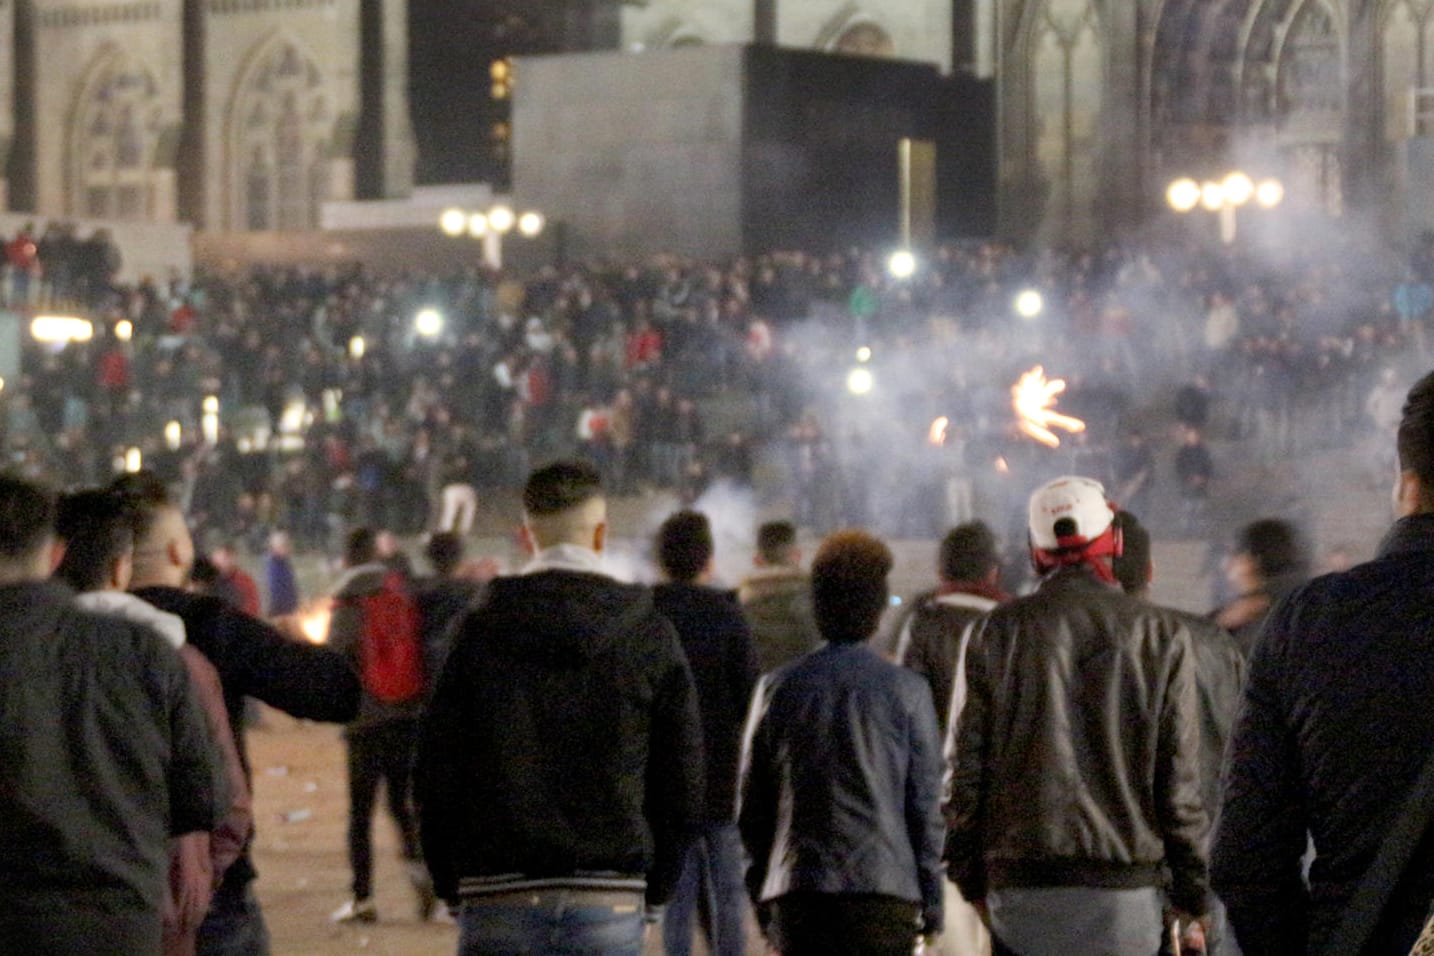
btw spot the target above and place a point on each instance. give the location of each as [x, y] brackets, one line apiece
[563, 744]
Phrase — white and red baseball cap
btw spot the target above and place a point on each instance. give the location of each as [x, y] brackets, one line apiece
[1069, 513]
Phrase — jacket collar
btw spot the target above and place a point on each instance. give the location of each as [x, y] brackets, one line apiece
[566, 557]
[1411, 534]
[1074, 577]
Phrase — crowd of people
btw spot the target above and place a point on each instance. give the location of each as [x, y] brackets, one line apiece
[576, 764]
[335, 406]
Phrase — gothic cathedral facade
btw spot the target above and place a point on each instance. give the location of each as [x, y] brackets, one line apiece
[231, 114]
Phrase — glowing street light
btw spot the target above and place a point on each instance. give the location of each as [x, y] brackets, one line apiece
[1030, 304]
[124, 330]
[173, 436]
[860, 381]
[428, 323]
[502, 219]
[1183, 194]
[530, 224]
[478, 225]
[61, 329]
[901, 264]
[1237, 188]
[863, 354]
[1270, 193]
[357, 347]
[209, 421]
[453, 222]
[133, 460]
[1212, 196]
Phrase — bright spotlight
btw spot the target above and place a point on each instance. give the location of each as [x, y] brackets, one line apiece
[428, 322]
[1270, 193]
[1030, 304]
[173, 436]
[1237, 188]
[357, 346]
[530, 224]
[453, 222]
[211, 405]
[1183, 195]
[133, 461]
[902, 264]
[860, 381]
[501, 218]
[863, 354]
[124, 330]
[53, 329]
[1212, 196]
[478, 225]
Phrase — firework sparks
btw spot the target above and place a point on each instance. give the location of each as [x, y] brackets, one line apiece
[1034, 398]
[937, 434]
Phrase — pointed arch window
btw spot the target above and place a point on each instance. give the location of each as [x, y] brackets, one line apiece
[280, 128]
[118, 120]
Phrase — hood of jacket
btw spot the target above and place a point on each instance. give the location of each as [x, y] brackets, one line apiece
[556, 616]
[776, 582]
[361, 580]
[131, 608]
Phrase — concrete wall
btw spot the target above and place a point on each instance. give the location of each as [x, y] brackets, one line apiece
[238, 35]
[633, 154]
[7, 95]
[72, 45]
[149, 248]
[920, 29]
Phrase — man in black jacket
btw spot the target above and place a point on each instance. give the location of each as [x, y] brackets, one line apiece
[104, 755]
[1075, 771]
[253, 660]
[560, 762]
[718, 646]
[841, 778]
[1336, 728]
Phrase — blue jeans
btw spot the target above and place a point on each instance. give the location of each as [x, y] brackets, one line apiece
[552, 923]
[234, 926]
[711, 882]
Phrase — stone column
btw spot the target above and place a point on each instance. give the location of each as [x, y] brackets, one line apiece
[386, 150]
[1122, 186]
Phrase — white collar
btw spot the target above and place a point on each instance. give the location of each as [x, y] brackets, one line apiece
[962, 599]
[565, 557]
[131, 608]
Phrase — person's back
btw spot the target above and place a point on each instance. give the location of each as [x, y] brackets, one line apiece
[1075, 775]
[1334, 733]
[561, 755]
[104, 755]
[776, 599]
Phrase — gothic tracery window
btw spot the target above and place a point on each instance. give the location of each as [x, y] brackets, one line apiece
[1066, 119]
[118, 123]
[280, 126]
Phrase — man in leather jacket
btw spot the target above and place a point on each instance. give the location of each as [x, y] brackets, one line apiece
[840, 782]
[1075, 778]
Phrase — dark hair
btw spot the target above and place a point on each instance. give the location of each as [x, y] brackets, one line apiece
[204, 575]
[97, 529]
[1132, 565]
[849, 585]
[27, 517]
[1276, 547]
[560, 487]
[143, 495]
[1415, 439]
[968, 552]
[444, 551]
[775, 541]
[684, 545]
[360, 547]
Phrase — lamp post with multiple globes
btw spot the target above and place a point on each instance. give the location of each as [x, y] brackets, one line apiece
[491, 225]
[1224, 197]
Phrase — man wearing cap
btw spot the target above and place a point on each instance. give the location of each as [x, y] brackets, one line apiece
[1074, 781]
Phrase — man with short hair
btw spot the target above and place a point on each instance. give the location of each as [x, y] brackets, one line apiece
[841, 776]
[934, 638]
[381, 739]
[776, 598]
[104, 755]
[1219, 679]
[560, 762]
[1334, 736]
[718, 646]
[1074, 784]
[253, 660]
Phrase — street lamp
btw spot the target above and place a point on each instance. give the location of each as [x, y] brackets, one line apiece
[491, 225]
[1224, 197]
[901, 264]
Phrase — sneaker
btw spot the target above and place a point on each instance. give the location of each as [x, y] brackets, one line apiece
[422, 885]
[356, 911]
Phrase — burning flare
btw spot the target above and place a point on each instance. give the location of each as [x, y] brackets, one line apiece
[1034, 398]
[314, 623]
[937, 434]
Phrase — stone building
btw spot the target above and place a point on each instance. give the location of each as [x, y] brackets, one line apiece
[231, 114]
